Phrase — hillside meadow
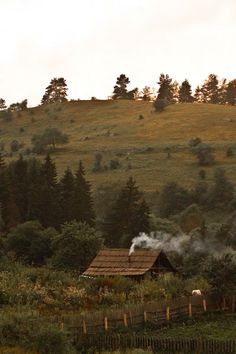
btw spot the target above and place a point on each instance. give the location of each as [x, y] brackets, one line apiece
[133, 133]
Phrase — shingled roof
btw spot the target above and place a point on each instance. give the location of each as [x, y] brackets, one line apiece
[116, 261]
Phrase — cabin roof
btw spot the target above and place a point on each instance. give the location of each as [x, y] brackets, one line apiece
[116, 261]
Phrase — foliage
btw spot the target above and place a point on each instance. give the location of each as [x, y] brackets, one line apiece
[120, 90]
[221, 274]
[49, 138]
[97, 167]
[231, 93]
[185, 92]
[16, 107]
[15, 145]
[146, 93]
[30, 243]
[56, 91]
[165, 225]
[166, 89]
[190, 218]
[173, 198]
[128, 216]
[222, 191]
[38, 335]
[160, 104]
[75, 246]
[2, 104]
[83, 202]
[210, 90]
[204, 153]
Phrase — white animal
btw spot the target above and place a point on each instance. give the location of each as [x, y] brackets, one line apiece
[196, 292]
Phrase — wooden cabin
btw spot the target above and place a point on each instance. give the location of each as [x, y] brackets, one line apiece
[117, 261]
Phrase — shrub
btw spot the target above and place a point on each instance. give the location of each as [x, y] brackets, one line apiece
[202, 174]
[29, 242]
[160, 104]
[49, 138]
[114, 164]
[204, 153]
[229, 152]
[21, 130]
[190, 218]
[49, 339]
[76, 246]
[194, 142]
[15, 145]
[173, 199]
[97, 163]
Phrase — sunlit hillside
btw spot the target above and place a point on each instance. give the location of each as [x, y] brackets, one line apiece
[133, 133]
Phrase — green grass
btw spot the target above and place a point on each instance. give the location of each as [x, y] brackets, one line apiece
[114, 128]
[221, 327]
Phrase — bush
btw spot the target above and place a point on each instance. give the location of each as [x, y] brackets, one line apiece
[229, 152]
[114, 164]
[160, 104]
[173, 199]
[204, 153]
[49, 339]
[15, 145]
[29, 242]
[202, 174]
[97, 163]
[194, 142]
[49, 138]
[33, 333]
[76, 246]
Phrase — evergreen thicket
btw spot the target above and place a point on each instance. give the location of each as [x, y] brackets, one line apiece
[31, 190]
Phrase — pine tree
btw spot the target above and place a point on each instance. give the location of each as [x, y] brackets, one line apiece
[167, 89]
[146, 93]
[223, 91]
[49, 200]
[67, 189]
[19, 183]
[231, 93]
[35, 183]
[2, 104]
[198, 96]
[83, 202]
[56, 91]
[210, 89]
[185, 92]
[120, 90]
[128, 217]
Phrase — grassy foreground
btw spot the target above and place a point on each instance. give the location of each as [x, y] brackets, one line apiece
[220, 327]
[132, 132]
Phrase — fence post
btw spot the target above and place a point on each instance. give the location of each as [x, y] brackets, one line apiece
[125, 320]
[106, 323]
[190, 309]
[62, 325]
[145, 316]
[84, 327]
[204, 303]
[167, 313]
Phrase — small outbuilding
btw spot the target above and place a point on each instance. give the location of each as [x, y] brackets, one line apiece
[118, 262]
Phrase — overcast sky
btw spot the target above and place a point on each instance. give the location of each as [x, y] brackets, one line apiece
[91, 42]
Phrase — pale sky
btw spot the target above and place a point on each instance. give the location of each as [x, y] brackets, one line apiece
[91, 42]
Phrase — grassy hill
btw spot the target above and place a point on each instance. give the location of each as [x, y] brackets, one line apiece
[132, 132]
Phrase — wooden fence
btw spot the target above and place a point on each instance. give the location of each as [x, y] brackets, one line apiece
[155, 313]
[115, 342]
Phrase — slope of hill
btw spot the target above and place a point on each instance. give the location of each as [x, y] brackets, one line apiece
[133, 133]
